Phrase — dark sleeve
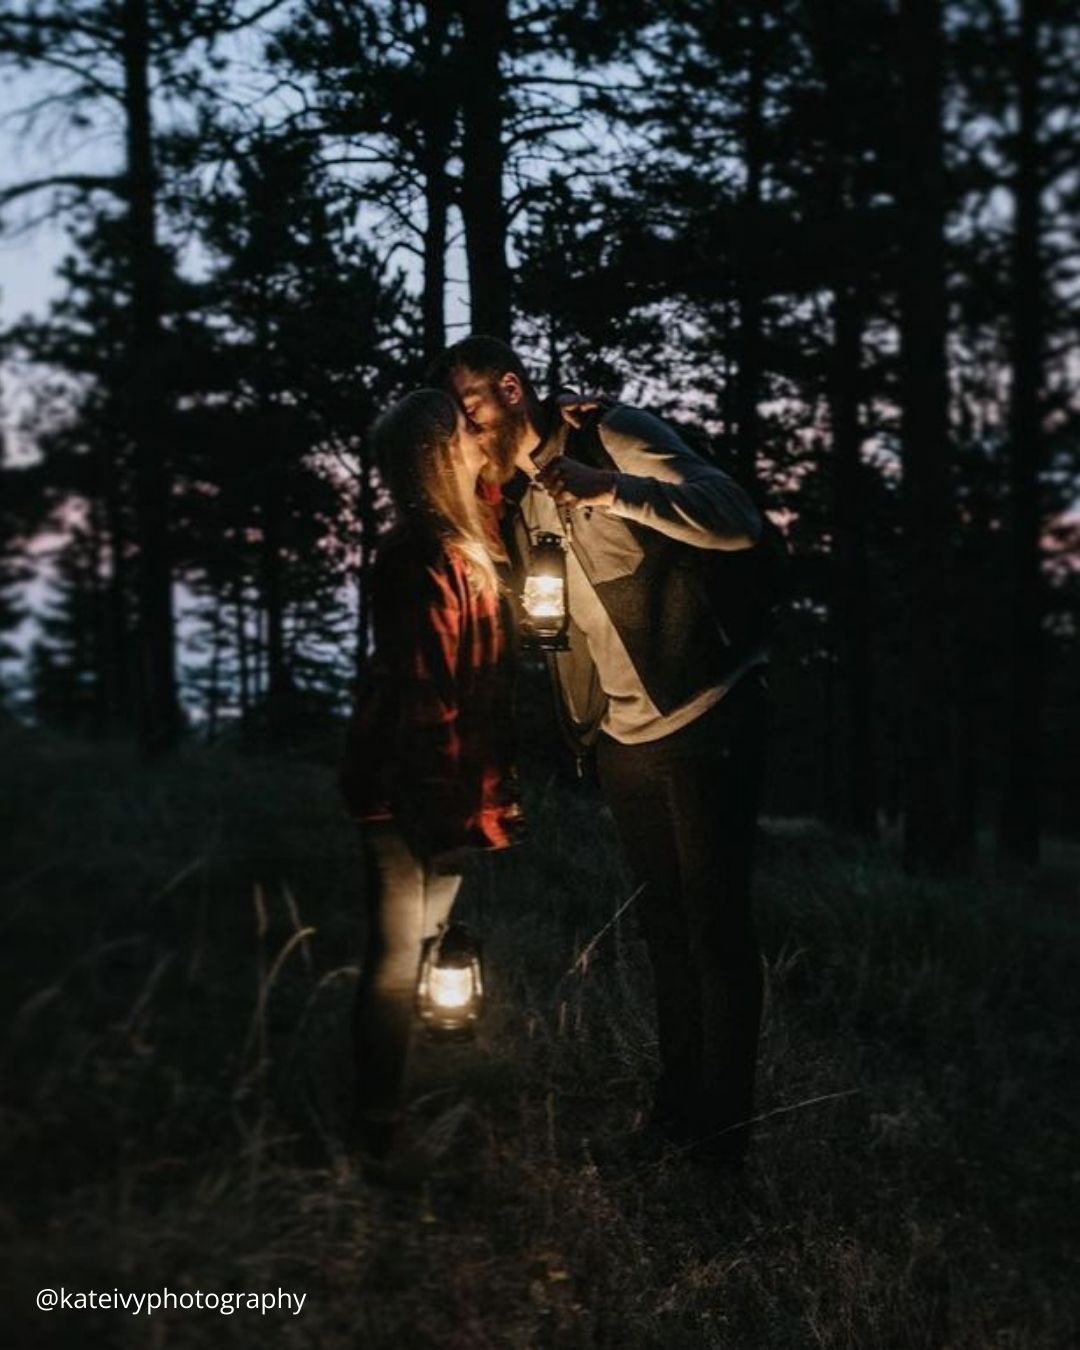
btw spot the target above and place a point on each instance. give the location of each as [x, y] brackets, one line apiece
[418, 624]
[663, 484]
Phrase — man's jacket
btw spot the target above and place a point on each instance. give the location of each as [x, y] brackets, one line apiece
[645, 560]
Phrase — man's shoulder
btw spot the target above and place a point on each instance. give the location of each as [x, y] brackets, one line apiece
[628, 430]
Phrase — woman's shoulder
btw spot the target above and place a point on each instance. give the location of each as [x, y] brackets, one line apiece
[408, 545]
[411, 556]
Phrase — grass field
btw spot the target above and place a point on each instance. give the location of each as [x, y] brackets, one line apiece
[178, 957]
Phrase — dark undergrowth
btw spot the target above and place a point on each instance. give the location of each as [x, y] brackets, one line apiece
[178, 958]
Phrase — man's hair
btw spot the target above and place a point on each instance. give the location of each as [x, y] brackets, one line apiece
[487, 356]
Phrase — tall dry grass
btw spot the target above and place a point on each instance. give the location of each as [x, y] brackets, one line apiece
[179, 951]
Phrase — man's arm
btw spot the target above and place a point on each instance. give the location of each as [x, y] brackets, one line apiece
[659, 482]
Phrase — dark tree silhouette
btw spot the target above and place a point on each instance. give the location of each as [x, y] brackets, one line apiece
[159, 720]
[833, 242]
[929, 840]
[382, 98]
[1020, 824]
[485, 31]
[112, 56]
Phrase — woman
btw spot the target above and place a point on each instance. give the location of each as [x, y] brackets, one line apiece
[428, 767]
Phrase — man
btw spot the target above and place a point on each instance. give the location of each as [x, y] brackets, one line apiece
[674, 710]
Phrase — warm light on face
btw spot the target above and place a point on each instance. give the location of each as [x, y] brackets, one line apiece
[544, 597]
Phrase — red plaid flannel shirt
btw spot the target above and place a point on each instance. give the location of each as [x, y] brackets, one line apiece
[430, 741]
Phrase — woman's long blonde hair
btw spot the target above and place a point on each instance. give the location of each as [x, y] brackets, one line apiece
[412, 442]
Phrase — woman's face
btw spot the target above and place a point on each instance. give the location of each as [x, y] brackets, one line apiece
[472, 456]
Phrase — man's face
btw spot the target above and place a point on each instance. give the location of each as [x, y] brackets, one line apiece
[496, 409]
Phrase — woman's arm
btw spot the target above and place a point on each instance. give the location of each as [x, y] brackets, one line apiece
[418, 625]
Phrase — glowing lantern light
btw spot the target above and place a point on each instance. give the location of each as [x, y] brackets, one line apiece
[543, 600]
[450, 989]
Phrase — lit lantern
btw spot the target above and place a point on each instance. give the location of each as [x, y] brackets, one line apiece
[544, 597]
[450, 989]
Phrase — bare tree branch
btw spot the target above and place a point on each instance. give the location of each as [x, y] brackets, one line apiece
[246, 20]
[100, 86]
[572, 82]
[40, 23]
[83, 181]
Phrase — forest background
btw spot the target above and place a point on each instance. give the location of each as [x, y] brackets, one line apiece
[837, 243]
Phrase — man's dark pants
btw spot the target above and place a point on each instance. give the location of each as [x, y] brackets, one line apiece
[686, 809]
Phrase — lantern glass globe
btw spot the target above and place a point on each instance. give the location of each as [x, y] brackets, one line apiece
[451, 986]
[544, 597]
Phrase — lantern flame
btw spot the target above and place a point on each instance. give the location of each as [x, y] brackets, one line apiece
[451, 986]
[543, 598]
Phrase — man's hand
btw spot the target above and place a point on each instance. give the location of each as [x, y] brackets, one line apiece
[573, 484]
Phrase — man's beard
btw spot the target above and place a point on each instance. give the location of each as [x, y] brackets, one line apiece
[501, 441]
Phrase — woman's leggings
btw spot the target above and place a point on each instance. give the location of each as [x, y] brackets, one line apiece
[405, 903]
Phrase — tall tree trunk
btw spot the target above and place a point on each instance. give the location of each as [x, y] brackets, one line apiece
[727, 401]
[97, 588]
[213, 688]
[483, 102]
[261, 669]
[243, 663]
[1020, 824]
[851, 610]
[928, 786]
[158, 706]
[979, 650]
[271, 421]
[828, 785]
[278, 683]
[437, 123]
[856, 801]
[118, 643]
[748, 283]
[272, 573]
[365, 507]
